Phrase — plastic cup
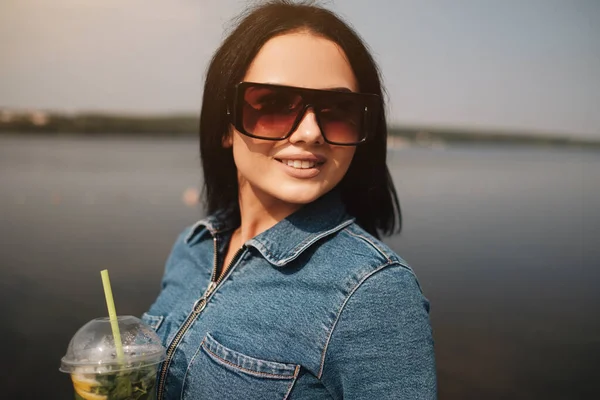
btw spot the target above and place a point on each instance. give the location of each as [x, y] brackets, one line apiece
[99, 373]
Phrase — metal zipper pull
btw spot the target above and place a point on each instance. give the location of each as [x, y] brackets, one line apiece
[199, 305]
[211, 287]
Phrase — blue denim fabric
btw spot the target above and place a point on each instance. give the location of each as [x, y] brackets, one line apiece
[313, 308]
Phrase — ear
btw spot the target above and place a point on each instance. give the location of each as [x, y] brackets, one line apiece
[227, 141]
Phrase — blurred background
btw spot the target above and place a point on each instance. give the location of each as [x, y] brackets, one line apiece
[494, 124]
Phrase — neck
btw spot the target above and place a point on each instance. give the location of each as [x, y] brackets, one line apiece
[259, 212]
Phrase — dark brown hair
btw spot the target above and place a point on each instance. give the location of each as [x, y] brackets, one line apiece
[367, 189]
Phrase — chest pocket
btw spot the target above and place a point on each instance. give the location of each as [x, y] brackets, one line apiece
[152, 321]
[216, 372]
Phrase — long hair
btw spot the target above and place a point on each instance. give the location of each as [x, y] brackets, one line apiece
[367, 189]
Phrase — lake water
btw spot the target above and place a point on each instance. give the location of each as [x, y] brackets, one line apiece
[505, 242]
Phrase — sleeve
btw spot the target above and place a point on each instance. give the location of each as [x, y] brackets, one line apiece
[381, 346]
[178, 252]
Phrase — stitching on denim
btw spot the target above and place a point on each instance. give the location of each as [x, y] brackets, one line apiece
[299, 248]
[156, 320]
[188, 369]
[323, 353]
[296, 372]
[369, 241]
[400, 262]
[313, 239]
[158, 323]
[202, 345]
[213, 345]
[268, 254]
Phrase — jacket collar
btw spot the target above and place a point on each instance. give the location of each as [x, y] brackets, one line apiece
[287, 239]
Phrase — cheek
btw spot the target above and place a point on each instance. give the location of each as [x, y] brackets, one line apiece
[249, 152]
[344, 158]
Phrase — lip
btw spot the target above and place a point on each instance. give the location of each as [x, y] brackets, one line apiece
[305, 173]
[319, 159]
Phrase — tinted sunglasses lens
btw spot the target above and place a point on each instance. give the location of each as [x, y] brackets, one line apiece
[270, 112]
[342, 119]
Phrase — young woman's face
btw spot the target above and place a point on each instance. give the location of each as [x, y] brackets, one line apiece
[285, 172]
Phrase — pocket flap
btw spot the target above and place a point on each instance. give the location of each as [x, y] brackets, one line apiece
[251, 365]
[153, 321]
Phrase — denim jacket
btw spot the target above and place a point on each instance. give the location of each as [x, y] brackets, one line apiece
[312, 308]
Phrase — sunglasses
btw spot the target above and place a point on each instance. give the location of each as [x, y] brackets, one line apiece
[273, 112]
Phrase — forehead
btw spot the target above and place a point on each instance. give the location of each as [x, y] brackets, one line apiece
[302, 59]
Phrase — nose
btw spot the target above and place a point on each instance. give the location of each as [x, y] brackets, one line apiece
[308, 130]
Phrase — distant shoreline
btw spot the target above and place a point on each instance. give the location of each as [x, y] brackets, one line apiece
[38, 122]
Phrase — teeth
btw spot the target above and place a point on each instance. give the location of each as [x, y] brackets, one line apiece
[300, 164]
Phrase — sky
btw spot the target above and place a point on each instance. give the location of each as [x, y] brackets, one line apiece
[517, 65]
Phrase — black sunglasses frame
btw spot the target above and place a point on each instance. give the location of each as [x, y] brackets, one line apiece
[368, 121]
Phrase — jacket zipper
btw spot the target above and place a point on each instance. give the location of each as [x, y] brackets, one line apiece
[196, 310]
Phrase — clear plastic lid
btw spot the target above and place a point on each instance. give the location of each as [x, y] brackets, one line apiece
[92, 349]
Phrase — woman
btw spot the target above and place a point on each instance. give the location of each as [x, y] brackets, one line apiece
[284, 291]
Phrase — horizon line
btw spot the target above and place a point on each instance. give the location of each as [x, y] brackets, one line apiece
[417, 126]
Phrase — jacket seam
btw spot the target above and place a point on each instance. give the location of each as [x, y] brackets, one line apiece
[289, 391]
[188, 370]
[324, 352]
[377, 248]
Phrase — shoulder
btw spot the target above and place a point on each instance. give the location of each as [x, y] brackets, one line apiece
[382, 335]
[184, 238]
[354, 248]
[393, 287]
[185, 243]
[352, 257]
[357, 236]
[386, 278]
[385, 290]
[371, 275]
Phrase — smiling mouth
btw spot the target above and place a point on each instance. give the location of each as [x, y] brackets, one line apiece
[300, 164]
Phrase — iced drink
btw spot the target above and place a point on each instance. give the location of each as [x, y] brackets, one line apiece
[99, 372]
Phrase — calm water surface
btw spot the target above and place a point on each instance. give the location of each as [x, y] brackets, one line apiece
[505, 242]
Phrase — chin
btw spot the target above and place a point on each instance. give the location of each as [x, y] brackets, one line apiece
[300, 195]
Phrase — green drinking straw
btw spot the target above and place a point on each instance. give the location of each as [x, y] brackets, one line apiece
[112, 314]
